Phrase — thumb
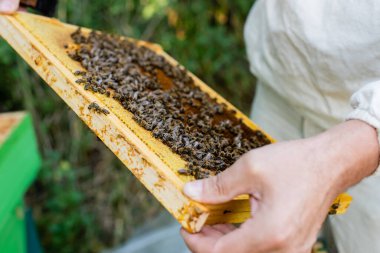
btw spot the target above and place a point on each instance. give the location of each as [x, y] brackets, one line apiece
[224, 186]
[8, 6]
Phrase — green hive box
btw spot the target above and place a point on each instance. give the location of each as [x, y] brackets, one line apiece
[19, 164]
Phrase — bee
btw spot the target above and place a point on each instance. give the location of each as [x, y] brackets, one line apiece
[335, 206]
[95, 107]
[79, 73]
[80, 81]
[105, 111]
[157, 133]
[87, 86]
[184, 172]
[116, 96]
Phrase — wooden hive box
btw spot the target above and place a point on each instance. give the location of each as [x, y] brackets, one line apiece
[19, 166]
[40, 41]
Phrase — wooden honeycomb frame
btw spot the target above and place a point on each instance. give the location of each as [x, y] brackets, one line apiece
[40, 42]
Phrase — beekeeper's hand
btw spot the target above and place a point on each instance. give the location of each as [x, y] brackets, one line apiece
[9, 6]
[291, 184]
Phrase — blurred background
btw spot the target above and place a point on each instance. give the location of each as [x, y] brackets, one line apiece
[84, 199]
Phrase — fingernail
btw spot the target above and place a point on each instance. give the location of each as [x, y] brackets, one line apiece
[7, 6]
[193, 190]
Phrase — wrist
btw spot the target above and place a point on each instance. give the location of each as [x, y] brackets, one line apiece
[350, 151]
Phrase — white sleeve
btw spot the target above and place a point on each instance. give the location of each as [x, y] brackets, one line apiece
[366, 105]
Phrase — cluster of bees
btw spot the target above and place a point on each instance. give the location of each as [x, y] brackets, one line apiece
[164, 100]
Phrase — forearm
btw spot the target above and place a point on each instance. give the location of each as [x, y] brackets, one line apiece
[351, 152]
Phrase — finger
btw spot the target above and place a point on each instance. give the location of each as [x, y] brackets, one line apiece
[224, 228]
[262, 233]
[223, 187]
[211, 231]
[9, 6]
[243, 239]
[203, 241]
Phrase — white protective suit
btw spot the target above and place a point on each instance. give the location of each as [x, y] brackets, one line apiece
[311, 57]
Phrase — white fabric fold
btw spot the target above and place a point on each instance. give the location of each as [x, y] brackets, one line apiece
[366, 105]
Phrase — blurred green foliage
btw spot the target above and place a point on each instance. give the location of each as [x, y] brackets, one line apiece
[84, 199]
